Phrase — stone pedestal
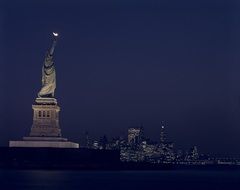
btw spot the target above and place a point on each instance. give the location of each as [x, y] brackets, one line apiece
[45, 131]
[45, 118]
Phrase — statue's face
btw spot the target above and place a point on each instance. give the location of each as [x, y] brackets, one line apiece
[48, 58]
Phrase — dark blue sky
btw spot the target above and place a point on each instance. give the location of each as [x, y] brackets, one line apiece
[126, 63]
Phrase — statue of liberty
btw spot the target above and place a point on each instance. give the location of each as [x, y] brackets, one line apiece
[48, 73]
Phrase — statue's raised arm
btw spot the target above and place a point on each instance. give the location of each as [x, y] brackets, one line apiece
[55, 35]
[48, 73]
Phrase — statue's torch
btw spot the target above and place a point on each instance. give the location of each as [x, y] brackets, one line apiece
[55, 35]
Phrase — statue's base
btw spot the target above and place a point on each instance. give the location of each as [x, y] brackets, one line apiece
[60, 139]
[44, 142]
[45, 131]
[45, 118]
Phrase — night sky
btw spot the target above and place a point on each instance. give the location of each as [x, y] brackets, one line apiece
[126, 63]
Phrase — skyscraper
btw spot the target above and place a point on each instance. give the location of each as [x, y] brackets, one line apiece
[135, 135]
[162, 134]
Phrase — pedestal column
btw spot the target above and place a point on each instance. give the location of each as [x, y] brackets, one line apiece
[45, 118]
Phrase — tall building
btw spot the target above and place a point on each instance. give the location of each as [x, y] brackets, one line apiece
[45, 130]
[135, 135]
[87, 143]
[165, 147]
[162, 134]
[193, 153]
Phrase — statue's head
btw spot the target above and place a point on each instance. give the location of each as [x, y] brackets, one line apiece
[48, 59]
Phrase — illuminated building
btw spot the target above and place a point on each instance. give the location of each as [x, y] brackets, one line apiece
[135, 135]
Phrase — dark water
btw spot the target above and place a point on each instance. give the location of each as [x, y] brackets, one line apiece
[69, 180]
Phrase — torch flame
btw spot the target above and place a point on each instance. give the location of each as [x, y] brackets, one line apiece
[55, 34]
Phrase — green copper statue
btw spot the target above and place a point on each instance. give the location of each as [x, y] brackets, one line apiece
[48, 73]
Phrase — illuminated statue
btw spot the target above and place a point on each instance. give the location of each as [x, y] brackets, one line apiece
[48, 73]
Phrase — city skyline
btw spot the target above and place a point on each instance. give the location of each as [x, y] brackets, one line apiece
[127, 65]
